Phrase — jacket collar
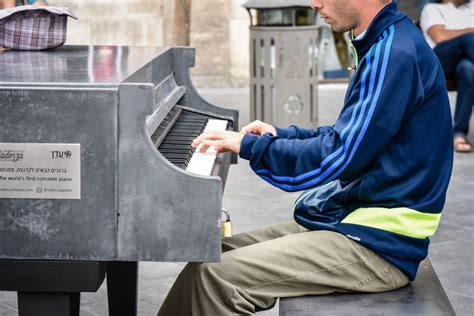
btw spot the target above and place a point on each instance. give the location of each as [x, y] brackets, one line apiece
[386, 17]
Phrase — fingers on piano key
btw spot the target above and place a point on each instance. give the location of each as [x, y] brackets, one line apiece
[178, 146]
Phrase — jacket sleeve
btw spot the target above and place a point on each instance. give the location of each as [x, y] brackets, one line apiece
[372, 114]
[301, 133]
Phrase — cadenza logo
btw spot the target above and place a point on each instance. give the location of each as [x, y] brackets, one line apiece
[55, 154]
[11, 155]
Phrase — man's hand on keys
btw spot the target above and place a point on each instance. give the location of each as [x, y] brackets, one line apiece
[224, 141]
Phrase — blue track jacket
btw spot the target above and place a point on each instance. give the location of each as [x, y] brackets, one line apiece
[380, 174]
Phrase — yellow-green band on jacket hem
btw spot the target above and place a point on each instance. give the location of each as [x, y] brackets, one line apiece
[401, 220]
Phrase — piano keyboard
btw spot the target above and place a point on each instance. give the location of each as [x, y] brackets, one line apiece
[176, 145]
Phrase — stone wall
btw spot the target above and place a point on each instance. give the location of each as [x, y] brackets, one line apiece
[239, 44]
[219, 32]
[210, 36]
[108, 22]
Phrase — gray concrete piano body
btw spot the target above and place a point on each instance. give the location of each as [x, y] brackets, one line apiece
[135, 205]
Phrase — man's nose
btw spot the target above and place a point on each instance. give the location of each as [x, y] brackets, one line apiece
[315, 4]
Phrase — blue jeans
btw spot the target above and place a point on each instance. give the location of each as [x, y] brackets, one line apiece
[457, 59]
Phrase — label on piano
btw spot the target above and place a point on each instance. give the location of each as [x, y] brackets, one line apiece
[40, 171]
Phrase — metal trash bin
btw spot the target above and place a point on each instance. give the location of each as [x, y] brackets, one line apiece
[284, 60]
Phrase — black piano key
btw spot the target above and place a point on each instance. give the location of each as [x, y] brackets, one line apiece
[190, 127]
[183, 160]
[179, 140]
[176, 145]
[193, 118]
[170, 151]
[175, 150]
[177, 133]
[184, 147]
[180, 163]
[173, 138]
[178, 155]
[185, 133]
[190, 131]
[179, 122]
[193, 121]
[186, 155]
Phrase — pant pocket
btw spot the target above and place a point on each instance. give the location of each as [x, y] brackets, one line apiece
[399, 278]
[387, 276]
[381, 280]
[394, 277]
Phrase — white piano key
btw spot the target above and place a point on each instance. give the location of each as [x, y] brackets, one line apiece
[202, 163]
[216, 125]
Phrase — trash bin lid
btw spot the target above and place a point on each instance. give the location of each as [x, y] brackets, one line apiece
[270, 4]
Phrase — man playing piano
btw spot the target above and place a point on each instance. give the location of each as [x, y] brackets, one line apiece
[374, 183]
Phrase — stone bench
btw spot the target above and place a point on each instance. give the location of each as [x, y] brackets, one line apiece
[424, 296]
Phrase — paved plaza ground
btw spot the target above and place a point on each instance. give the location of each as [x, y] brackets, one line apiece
[451, 251]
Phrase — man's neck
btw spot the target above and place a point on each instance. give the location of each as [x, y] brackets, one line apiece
[366, 17]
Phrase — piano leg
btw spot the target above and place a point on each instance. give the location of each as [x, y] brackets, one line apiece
[48, 304]
[122, 287]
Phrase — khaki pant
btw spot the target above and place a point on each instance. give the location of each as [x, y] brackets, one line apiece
[282, 260]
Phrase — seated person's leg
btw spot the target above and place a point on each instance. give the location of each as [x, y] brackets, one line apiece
[464, 103]
[178, 301]
[251, 278]
[259, 235]
[450, 53]
[468, 45]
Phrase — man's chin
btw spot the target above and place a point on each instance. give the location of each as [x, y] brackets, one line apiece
[338, 30]
[341, 29]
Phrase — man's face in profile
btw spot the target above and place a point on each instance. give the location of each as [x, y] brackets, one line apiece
[342, 15]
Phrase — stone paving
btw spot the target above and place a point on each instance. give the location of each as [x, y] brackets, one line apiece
[451, 252]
